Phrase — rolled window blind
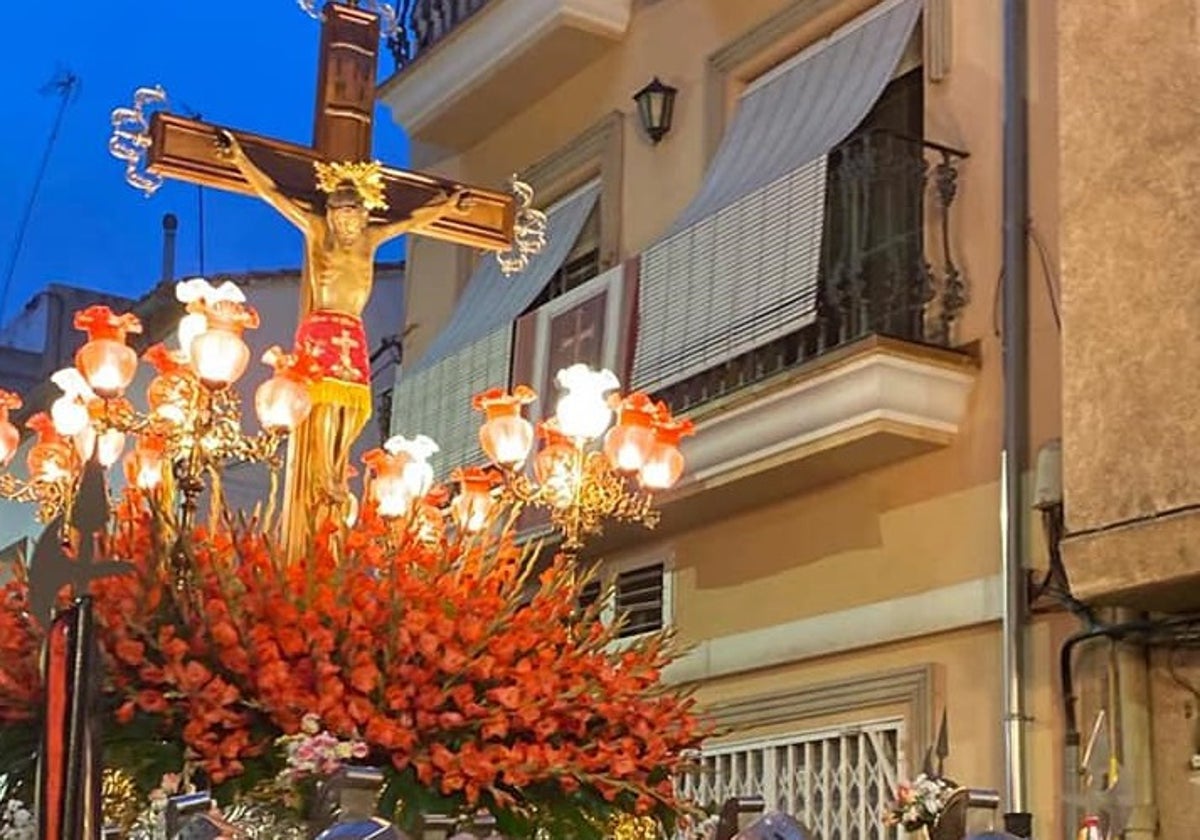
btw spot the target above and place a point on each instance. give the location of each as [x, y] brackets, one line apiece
[740, 267]
[436, 401]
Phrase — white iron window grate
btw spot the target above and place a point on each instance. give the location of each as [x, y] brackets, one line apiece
[837, 783]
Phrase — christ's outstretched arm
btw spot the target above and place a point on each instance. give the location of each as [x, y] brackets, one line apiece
[428, 213]
[262, 183]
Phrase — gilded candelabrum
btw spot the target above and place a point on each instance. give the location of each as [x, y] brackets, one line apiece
[190, 428]
[585, 472]
[581, 491]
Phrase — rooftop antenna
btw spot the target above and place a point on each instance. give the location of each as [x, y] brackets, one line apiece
[65, 85]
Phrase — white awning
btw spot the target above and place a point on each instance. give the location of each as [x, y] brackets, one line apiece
[491, 300]
[740, 266]
[801, 109]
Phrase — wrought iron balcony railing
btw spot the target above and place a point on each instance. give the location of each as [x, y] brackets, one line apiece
[423, 23]
[881, 274]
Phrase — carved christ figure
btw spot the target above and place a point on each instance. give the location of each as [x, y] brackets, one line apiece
[340, 245]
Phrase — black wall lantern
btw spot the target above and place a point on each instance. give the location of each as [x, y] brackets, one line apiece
[656, 105]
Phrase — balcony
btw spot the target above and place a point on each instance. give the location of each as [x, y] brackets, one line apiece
[464, 67]
[872, 379]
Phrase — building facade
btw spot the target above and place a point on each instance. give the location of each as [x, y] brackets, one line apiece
[809, 265]
[274, 294]
[40, 339]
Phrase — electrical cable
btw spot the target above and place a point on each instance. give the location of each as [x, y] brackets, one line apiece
[1052, 291]
[66, 85]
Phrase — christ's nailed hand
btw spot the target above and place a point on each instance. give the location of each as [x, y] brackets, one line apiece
[228, 146]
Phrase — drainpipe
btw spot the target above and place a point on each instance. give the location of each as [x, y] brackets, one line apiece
[1134, 717]
[1017, 820]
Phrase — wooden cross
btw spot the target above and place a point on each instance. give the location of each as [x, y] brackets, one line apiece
[186, 149]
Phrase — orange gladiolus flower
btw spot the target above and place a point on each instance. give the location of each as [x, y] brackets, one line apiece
[431, 651]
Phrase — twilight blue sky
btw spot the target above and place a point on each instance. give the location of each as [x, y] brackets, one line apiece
[248, 64]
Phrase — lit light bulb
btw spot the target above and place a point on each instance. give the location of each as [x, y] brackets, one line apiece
[105, 361]
[190, 326]
[628, 444]
[664, 465]
[582, 411]
[219, 356]
[283, 402]
[663, 468]
[143, 467]
[70, 416]
[472, 507]
[70, 412]
[110, 445]
[211, 333]
[401, 474]
[10, 438]
[505, 436]
[415, 471]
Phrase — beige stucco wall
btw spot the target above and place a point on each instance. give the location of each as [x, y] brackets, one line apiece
[1131, 211]
[926, 523]
[967, 686]
[917, 526]
[1175, 699]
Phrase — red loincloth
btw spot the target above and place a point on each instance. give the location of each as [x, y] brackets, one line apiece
[339, 344]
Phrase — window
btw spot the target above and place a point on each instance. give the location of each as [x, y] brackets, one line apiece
[870, 274]
[740, 284]
[640, 593]
[838, 783]
[874, 240]
[640, 599]
[581, 326]
[580, 266]
[575, 336]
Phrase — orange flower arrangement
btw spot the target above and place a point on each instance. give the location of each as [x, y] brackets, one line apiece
[471, 693]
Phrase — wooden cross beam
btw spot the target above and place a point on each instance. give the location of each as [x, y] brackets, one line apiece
[284, 175]
[186, 149]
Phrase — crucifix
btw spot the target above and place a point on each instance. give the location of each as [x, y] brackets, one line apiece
[346, 206]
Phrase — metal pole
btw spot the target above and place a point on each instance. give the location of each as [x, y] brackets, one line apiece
[1016, 382]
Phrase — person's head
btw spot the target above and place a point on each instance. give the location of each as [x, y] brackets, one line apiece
[346, 213]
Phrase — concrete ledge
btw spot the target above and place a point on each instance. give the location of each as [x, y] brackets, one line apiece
[876, 387]
[962, 605]
[912, 687]
[1151, 564]
[508, 54]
